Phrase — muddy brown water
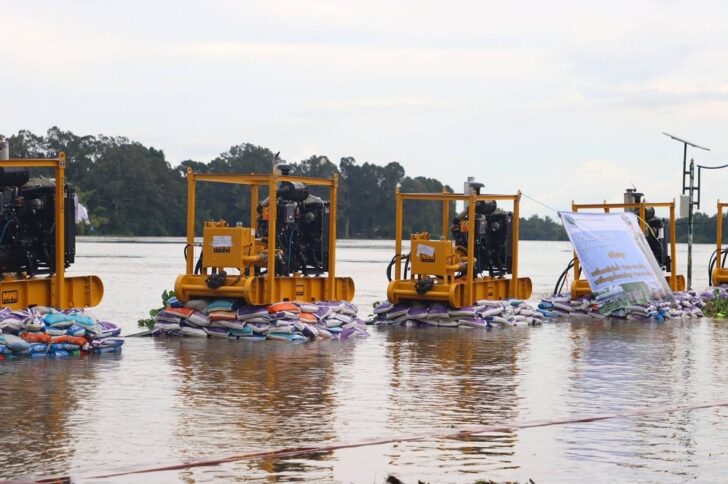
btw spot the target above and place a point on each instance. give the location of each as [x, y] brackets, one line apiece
[166, 401]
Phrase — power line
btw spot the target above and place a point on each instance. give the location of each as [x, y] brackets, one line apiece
[540, 203]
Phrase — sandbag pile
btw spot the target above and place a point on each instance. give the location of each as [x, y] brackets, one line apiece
[284, 321]
[42, 331]
[484, 314]
[688, 304]
[714, 292]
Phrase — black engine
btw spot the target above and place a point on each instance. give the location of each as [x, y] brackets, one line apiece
[493, 236]
[27, 223]
[657, 228]
[302, 228]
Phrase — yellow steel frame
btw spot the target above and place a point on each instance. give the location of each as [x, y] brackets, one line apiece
[59, 291]
[271, 288]
[720, 274]
[580, 287]
[459, 293]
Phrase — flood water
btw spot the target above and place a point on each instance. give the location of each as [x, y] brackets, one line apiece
[167, 401]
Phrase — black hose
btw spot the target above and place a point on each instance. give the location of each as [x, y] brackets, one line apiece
[392, 262]
[711, 265]
[562, 278]
[184, 251]
[198, 266]
[714, 258]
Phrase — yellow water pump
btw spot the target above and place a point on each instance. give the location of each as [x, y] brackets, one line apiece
[480, 261]
[37, 241]
[287, 253]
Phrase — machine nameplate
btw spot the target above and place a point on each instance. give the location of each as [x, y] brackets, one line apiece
[222, 241]
[425, 250]
[10, 297]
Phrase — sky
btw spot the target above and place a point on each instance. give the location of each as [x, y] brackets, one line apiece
[564, 100]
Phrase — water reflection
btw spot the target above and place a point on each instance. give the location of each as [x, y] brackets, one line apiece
[622, 365]
[446, 377]
[43, 401]
[257, 395]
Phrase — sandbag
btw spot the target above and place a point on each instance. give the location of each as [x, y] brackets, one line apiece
[16, 344]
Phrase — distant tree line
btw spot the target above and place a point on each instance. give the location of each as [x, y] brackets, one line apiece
[131, 189]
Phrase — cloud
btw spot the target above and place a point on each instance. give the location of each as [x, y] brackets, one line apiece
[565, 100]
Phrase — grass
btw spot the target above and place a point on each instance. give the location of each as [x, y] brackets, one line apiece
[716, 307]
[149, 322]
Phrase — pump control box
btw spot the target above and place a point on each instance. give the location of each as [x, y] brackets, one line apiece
[226, 246]
[431, 257]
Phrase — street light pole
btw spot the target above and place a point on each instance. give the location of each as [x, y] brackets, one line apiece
[690, 188]
[690, 223]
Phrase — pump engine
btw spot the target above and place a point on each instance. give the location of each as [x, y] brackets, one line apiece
[27, 223]
[656, 228]
[493, 235]
[302, 228]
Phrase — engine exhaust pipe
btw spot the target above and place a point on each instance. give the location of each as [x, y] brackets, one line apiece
[4, 148]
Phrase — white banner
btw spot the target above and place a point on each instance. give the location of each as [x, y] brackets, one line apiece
[615, 258]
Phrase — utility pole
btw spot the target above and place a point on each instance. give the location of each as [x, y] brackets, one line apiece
[690, 188]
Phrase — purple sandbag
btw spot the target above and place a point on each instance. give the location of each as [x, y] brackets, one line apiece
[438, 311]
[216, 332]
[397, 311]
[248, 312]
[309, 331]
[383, 307]
[416, 312]
[110, 329]
[323, 312]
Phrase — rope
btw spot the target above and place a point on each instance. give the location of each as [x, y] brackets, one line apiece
[458, 434]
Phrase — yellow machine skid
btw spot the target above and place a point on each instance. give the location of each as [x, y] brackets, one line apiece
[456, 294]
[719, 275]
[79, 291]
[257, 290]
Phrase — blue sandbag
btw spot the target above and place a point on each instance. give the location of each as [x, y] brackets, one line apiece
[16, 344]
[220, 305]
[246, 331]
[173, 302]
[61, 353]
[64, 347]
[38, 348]
[76, 330]
[53, 318]
[85, 321]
